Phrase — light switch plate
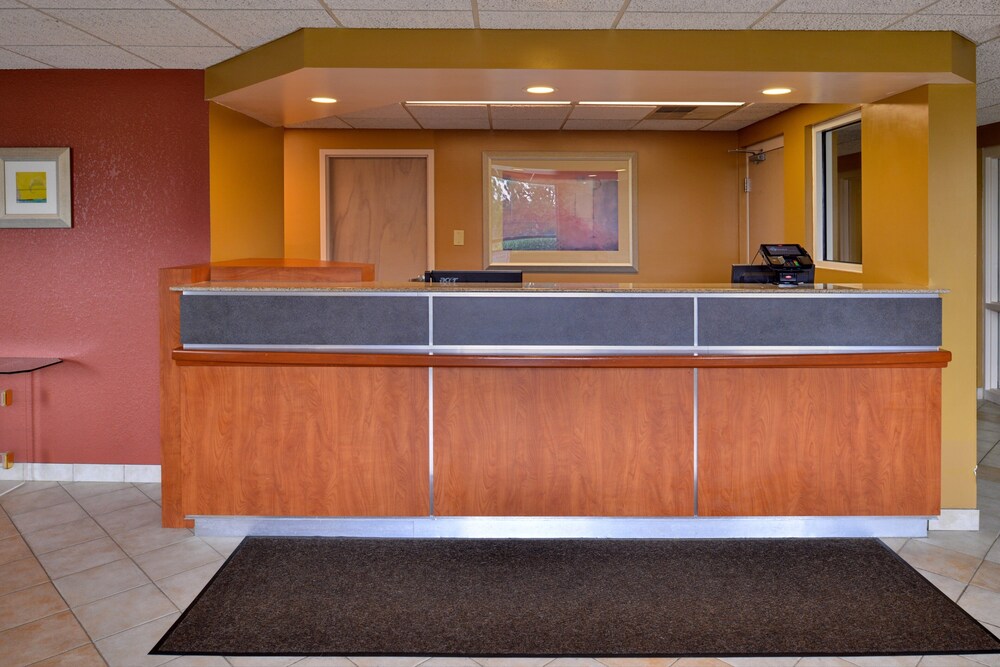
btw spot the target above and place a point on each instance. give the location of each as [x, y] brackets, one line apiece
[459, 237]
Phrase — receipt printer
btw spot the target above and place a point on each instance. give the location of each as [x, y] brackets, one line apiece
[784, 264]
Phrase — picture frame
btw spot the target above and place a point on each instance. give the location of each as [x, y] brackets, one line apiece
[560, 212]
[35, 188]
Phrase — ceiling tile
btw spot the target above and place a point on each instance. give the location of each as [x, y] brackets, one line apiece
[988, 94]
[26, 26]
[660, 125]
[697, 6]
[550, 5]
[456, 124]
[405, 19]
[10, 4]
[447, 112]
[759, 110]
[529, 112]
[396, 5]
[388, 111]
[140, 27]
[978, 28]
[329, 123]
[851, 6]
[185, 57]
[593, 112]
[526, 123]
[547, 20]
[776, 21]
[252, 27]
[99, 4]
[585, 124]
[988, 115]
[988, 61]
[11, 60]
[963, 7]
[384, 123]
[237, 5]
[726, 125]
[84, 57]
[686, 21]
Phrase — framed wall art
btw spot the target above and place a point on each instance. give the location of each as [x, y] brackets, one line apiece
[35, 188]
[564, 212]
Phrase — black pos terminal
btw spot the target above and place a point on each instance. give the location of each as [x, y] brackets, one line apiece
[784, 264]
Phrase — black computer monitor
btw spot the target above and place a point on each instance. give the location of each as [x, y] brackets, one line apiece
[473, 276]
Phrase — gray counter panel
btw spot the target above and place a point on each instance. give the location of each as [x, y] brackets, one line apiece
[550, 321]
[303, 320]
[828, 321]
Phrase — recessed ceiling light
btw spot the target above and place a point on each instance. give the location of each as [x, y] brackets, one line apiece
[323, 100]
[776, 91]
[540, 90]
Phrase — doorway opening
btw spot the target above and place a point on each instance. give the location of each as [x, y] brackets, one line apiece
[762, 197]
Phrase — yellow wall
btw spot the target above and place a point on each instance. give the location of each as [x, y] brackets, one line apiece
[245, 168]
[919, 212]
[686, 202]
[952, 240]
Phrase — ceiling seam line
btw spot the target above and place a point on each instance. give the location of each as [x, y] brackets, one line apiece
[336, 19]
[205, 26]
[474, 6]
[620, 14]
[87, 32]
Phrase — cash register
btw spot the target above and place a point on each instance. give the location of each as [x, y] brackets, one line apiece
[784, 264]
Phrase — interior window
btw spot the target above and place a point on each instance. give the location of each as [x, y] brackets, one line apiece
[837, 150]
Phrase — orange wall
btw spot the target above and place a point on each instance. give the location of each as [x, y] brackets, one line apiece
[686, 203]
[245, 163]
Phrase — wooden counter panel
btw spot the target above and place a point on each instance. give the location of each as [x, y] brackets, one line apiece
[819, 442]
[304, 441]
[170, 392]
[563, 442]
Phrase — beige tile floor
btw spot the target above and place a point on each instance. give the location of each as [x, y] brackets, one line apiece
[90, 579]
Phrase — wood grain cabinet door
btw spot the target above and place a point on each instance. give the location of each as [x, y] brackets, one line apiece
[819, 442]
[305, 441]
[563, 442]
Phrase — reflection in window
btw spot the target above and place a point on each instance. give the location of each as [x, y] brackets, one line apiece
[549, 209]
[838, 202]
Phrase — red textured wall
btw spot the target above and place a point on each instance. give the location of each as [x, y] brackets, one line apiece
[139, 152]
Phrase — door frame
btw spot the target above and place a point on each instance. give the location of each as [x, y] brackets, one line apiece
[743, 230]
[324, 188]
[990, 262]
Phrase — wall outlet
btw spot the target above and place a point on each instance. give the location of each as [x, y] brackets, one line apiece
[459, 237]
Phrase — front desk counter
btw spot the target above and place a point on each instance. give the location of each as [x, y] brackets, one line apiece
[591, 410]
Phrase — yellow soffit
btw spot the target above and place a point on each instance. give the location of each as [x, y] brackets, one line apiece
[944, 55]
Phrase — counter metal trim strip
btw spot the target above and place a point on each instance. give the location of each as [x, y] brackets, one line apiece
[562, 527]
[561, 350]
[620, 294]
[695, 431]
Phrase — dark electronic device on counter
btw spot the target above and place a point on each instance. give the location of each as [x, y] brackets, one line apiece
[784, 264]
[473, 276]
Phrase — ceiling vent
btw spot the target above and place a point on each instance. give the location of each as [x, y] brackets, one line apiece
[689, 112]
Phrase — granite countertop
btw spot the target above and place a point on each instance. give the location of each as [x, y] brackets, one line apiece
[528, 287]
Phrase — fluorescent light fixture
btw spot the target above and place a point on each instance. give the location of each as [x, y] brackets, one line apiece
[540, 90]
[479, 103]
[323, 100]
[662, 104]
[776, 91]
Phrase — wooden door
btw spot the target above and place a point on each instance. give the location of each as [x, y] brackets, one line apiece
[763, 208]
[377, 213]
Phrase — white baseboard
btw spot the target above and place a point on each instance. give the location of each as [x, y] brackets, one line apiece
[81, 472]
[955, 520]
